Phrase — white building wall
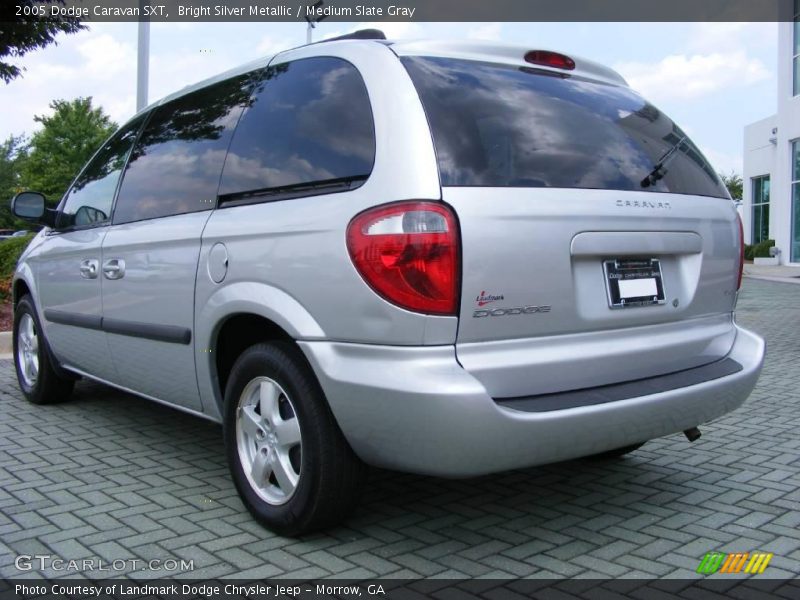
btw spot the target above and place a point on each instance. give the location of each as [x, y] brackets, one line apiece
[788, 130]
[760, 159]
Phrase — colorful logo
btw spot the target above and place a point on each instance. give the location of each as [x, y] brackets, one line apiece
[483, 299]
[753, 563]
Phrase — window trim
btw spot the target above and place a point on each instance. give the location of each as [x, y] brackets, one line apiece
[793, 198]
[795, 50]
[322, 187]
[147, 116]
[754, 204]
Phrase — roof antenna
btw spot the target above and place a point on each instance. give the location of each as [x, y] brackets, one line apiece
[312, 22]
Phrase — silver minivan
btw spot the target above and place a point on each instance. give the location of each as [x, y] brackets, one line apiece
[447, 258]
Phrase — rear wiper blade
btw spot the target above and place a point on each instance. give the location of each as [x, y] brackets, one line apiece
[659, 170]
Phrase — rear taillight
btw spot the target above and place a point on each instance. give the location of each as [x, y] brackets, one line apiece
[741, 252]
[408, 252]
[546, 58]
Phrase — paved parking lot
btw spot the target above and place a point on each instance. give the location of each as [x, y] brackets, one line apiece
[109, 476]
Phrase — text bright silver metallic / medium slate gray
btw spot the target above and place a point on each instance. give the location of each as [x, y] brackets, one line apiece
[440, 257]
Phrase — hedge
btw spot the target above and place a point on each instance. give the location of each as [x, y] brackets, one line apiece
[760, 250]
[10, 250]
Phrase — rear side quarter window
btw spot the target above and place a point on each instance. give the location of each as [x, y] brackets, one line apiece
[308, 130]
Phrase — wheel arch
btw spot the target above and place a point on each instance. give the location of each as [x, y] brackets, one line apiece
[235, 335]
[234, 318]
[19, 289]
[22, 283]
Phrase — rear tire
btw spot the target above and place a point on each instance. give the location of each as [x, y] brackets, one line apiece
[36, 375]
[618, 452]
[289, 460]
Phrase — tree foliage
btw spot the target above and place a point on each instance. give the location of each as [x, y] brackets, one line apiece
[20, 34]
[734, 184]
[13, 152]
[10, 251]
[67, 139]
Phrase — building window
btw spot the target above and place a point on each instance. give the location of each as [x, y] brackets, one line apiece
[760, 209]
[796, 48]
[796, 201]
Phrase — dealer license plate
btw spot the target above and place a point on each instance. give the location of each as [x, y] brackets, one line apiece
[634, 282]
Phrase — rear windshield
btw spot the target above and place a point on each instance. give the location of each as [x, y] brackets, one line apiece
[505, 126]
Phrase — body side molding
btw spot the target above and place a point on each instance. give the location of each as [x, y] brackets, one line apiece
[149, 331]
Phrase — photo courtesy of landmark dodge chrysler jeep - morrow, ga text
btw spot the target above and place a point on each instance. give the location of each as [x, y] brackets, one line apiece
[447, 258]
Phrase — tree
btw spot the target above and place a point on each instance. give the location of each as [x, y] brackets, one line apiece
[734, 184]
[67, 139]
[13, 152]
[19, 34]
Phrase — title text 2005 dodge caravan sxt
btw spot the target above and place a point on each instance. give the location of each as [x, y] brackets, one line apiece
[443, 258]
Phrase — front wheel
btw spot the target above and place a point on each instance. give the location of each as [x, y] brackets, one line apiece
[289, 460]
[37, 378]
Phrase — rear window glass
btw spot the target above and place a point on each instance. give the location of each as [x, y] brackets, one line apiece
[505, 126]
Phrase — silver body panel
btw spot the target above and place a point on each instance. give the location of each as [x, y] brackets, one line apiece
[495, 52]
[554, 363]
[60, 287]
[160, 258]
[417, 410]
[295, 250]
[413, 391]
[545, 247]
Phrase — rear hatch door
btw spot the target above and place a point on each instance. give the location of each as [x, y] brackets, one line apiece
[598, 244]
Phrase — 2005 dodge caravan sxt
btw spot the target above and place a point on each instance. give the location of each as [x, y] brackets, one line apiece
[438, 257]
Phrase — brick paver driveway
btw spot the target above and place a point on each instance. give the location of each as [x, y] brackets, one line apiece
[109, 476]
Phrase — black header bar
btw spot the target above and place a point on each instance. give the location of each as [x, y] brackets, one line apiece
[405, 10]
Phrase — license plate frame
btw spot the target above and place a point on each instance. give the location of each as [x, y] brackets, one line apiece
[633, 282]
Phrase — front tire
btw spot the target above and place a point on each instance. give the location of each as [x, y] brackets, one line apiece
[289, 460]
[37, 378]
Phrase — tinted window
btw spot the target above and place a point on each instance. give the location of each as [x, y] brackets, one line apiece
[311, 122]
[176, 164]
[496, 125]
[89, 200]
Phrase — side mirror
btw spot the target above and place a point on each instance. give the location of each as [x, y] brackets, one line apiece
[87, 215]
[28, 205]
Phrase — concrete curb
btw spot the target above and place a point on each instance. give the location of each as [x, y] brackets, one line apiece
[6, 345]
[777, 279]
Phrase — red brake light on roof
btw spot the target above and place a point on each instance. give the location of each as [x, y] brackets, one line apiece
[550, 59]
[408, 252]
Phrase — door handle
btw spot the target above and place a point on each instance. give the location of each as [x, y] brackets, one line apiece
[89, 268]
[114, 268]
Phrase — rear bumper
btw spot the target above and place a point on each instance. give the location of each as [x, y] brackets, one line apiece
[416, 409]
